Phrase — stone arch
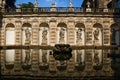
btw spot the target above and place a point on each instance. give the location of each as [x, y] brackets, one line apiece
[115, 34]
[62, 25]
[80, 25]
[26, 25]
[10, 25]
[44, 24]
[61, 33]
[97, 34]
[80, 34]
[97, 25]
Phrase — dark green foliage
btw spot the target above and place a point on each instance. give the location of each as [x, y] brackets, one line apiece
[10, 4]
[27, 5]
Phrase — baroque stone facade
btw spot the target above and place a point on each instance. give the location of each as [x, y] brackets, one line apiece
[50, 26]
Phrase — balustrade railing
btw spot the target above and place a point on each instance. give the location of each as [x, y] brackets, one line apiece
[62, 9]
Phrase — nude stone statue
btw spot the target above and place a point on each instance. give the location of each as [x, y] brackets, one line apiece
[96, 58]
[27, 57]
[79, 57]
[96, 34]
[27, 33]
[79, 35]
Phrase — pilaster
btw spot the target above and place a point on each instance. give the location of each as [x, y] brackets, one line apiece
[35, 35]
[18, 33]
[2, 37]
[71, 33]
[18, 59]
[53, 32]
[89, 35]
[35, 60]
[106, 34]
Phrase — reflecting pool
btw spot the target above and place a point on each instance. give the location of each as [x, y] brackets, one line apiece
[41, 63]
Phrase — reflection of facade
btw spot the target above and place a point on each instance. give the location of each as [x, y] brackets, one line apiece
[58, 26]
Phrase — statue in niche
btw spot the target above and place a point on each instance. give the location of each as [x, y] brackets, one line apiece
[27, 57]
[27, 34]
[44, 36]
[62, 35]
[79, 35]
[79, 57]
[44, 57]
[96, 34]
[96, 58]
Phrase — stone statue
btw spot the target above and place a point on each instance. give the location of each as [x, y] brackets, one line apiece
[79, 35]
[96, 58]
[44, 36]
[44, 57]
[96, 34]
[27, 33]
[79, 57]
[27, 57]
[62, 35]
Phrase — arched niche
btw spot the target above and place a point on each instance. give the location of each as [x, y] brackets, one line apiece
[80, 34]
[61, 33]
[26, 34]
[97, 34]
[44, 34]
[10, 34]
[115, 34]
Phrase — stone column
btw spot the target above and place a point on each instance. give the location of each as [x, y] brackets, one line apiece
[2, 61]
[52, 63]
[35, 60]
[18, 52]
[107, 70]
[88, 63]
[35, 34]
[18, 30]
[106, 35]
[53, 32]
[89, 35]
[71, 33]
[2, 39]
[70, 64]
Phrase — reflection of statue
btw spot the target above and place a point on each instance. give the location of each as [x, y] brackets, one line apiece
[44, 35]
[27, 33]
[62, 34]
[79, 57]
[96, 58]
[79, 35]
[96, 34]
[27, 56]
[44, 57]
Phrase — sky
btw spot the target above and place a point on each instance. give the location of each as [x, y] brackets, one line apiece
[59, 3]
